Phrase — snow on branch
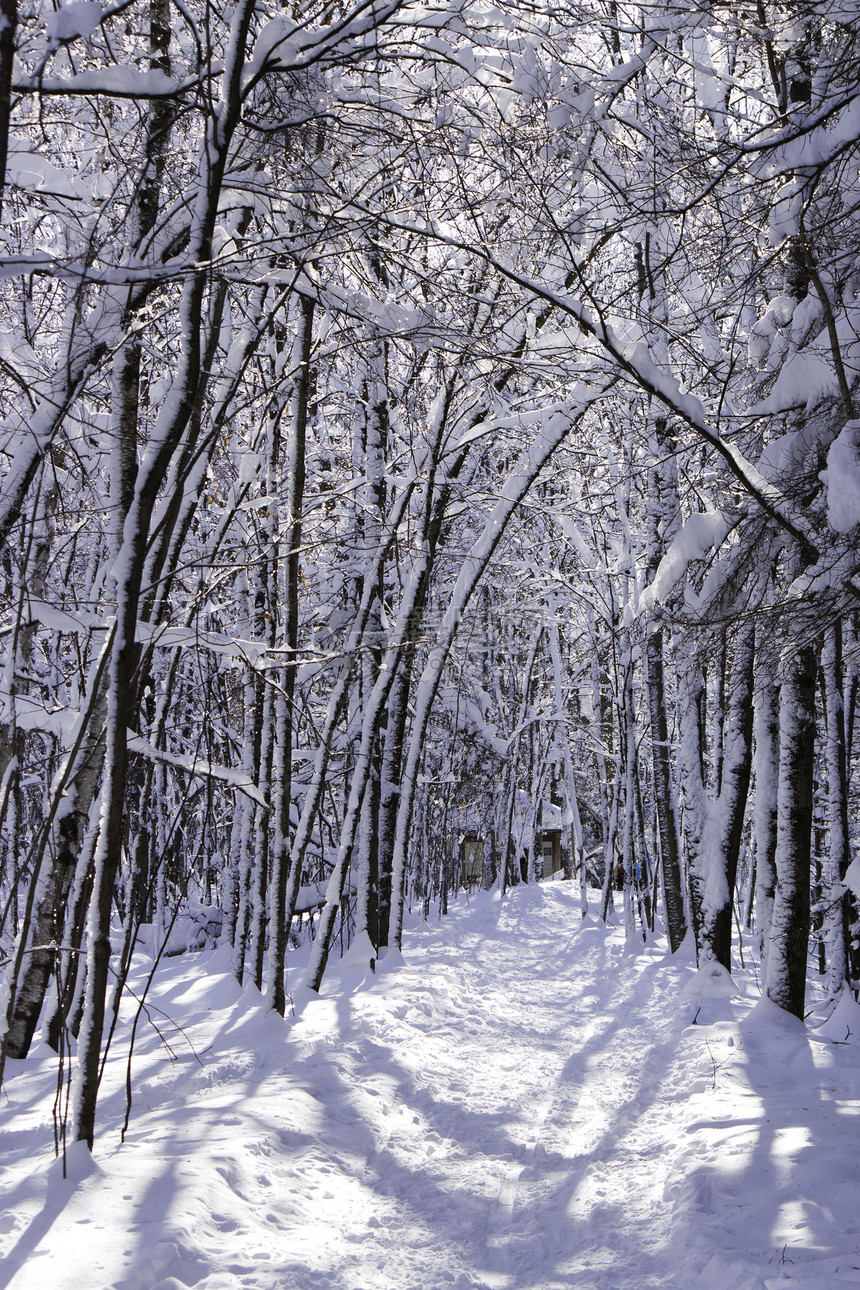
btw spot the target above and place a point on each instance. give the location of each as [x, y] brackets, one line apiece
[635, 361]
[115, 82]
[701, 532]
[199, 766]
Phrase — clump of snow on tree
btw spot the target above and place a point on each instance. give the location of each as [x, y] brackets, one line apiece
[852, 877]
[700, 533]
[79, 19]
[842, 478]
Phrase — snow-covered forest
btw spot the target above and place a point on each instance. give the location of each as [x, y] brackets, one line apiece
[430, 462]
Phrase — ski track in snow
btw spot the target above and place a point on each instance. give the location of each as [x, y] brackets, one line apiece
[520, 1104]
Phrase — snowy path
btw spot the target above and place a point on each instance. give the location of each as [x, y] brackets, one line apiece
[520, 1105]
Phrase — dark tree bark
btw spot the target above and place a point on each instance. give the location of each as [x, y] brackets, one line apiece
[279, 920]
[789, 930]
[732, 798]
[664, 802]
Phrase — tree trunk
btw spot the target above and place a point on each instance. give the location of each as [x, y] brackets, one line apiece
[789, 930]
[726, 811]
[766, 813]
[279, 919]
[838, 914]
[664, 794]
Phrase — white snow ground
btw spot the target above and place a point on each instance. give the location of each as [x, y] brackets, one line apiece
[522, 1103]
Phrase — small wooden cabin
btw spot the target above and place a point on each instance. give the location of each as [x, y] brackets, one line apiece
[549, 850]
[547, 842]
[471, 860]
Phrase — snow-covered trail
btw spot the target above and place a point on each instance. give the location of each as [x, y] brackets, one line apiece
[520, 1104]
